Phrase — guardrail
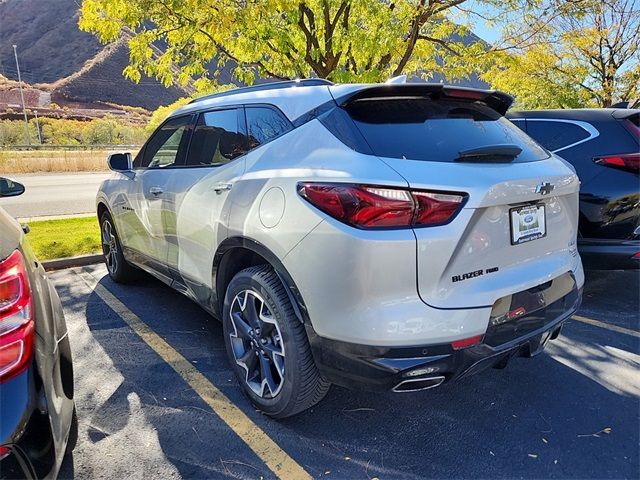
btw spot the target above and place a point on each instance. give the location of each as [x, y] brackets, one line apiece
[67, 147]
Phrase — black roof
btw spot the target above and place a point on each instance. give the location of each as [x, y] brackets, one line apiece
[584, 114]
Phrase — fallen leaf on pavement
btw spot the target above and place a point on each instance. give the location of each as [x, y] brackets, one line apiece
[606, 430]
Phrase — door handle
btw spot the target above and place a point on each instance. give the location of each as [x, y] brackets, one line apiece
[222, 187]
[156, 191]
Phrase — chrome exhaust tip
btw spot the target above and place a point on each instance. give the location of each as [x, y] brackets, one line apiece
[417, 384]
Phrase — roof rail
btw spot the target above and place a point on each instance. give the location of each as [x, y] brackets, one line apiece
[305, 82]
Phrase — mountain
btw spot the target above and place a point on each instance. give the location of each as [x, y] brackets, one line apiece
[70, 66]
[100, 79]
[50, 44]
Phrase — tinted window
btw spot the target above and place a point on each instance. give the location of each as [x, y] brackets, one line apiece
[216, 139]
[555, 135]
[519, 123]
[166, 146]
[264, 124]
[424, 129]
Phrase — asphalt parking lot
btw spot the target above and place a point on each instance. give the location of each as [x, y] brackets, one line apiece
[571, 412]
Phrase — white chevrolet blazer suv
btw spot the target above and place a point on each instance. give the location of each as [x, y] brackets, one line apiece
[385, 236]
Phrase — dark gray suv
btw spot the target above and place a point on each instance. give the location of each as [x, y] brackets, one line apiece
[37, 415]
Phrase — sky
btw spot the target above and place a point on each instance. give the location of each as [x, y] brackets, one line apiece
[491, 33]
[488, 33]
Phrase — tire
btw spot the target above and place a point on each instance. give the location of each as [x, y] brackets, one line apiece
[72, 439]
[273, 345]
[119, 269]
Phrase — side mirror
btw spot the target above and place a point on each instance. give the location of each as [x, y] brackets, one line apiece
[9, 188]
[120, 162]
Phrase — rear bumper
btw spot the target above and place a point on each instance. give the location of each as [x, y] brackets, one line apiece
[26, 435]
[426, 366]
[609, 254]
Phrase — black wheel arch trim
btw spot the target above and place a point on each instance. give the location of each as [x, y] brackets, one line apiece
[105, 209]
[231, 243]
[102, 206]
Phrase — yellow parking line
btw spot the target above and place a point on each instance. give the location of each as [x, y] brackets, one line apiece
[608, 326]
[281, 464]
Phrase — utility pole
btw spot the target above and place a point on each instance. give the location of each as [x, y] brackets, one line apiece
[38, 127]
[24, 109]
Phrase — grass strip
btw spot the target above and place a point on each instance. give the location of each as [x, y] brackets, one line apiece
[67, 237]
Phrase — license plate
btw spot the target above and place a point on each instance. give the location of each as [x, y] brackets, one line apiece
[527, 223]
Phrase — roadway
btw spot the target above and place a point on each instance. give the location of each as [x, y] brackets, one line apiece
[54, 194]
[156, 399]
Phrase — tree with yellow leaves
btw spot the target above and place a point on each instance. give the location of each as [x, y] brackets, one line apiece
[572, 53]
[341, 40]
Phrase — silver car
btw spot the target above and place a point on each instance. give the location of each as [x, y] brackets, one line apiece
[386, 236]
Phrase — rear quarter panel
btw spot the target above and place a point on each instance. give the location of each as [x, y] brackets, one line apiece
[609, 198]
[266, 206]
[51, 334]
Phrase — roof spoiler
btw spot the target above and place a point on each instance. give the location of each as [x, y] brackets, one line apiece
[621, 114]
[498, 101]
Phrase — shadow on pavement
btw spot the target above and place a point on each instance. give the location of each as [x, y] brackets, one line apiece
[543, 417]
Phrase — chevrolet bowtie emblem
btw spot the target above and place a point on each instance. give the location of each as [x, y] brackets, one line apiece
[544, 188]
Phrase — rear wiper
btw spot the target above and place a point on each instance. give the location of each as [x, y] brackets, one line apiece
[490, 153]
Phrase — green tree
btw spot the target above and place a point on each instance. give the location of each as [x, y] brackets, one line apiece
[341, 40]
[12, 132]
[55, 131]
[61, 132]
[161, 113]
[571, 53]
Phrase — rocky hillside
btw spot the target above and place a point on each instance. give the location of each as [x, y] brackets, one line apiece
[100, 80]
[50, 45]
[71, 67]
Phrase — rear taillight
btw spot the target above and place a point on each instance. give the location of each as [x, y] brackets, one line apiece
[365, 206]
[627, 161]
[16, 317]
[466, 342]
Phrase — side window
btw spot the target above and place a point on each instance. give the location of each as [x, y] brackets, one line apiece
[555, 135]
[166, 146]
[520, 123]
[264, 124]
[216, 139]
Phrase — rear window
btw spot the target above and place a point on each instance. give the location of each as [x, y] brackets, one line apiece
[555, 135]
[436, 131]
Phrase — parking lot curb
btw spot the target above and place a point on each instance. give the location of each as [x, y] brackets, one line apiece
[79, 261]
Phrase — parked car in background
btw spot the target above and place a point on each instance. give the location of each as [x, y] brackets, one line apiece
[37, 415]
[391, 237]
[603, 145]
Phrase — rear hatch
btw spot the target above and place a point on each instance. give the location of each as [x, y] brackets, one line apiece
[518, 226]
